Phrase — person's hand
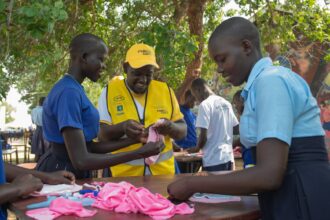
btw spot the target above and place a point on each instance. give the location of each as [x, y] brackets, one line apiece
[27, 184]
[144, 136]
[180, 189]
[193, 150]
[133, 129]
[59, 177]
[165, 127]
[151, 148]
[203, 173]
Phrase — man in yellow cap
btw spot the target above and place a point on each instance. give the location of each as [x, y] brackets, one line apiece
[129, 106]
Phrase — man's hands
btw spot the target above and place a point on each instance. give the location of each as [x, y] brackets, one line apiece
[135, 131]
[164, 127]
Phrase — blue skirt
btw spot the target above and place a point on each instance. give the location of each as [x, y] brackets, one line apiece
[39, 145]
[56, 159]
[305, 191]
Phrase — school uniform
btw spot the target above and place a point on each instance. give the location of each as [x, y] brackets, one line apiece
[66, 106]
[278, 104]
[248, 156]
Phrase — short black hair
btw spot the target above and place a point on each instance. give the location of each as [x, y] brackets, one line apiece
[237, 95]
[84, 43]
[198, 83]
[238, 27]
[187, 94]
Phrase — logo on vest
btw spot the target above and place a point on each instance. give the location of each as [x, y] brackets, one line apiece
[118, 98]
[162, 111]
[120, 110]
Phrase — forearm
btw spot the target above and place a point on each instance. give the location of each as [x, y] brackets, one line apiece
[111, 132]
[13, 171]
[83, 160]
[236, 141]
[236, 130]
[254, 181]
[201, 142]
[202, 138]
[8, 192]
[267, 175]
[110, 146]
[178, 130]
[99, 161]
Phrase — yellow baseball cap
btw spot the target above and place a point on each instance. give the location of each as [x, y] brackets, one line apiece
[140, 55]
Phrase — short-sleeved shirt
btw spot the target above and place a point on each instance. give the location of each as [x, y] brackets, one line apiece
[36, 115]
[191, 139]
[217, 116]
[139, 102]
[278, 104]
[68, 106]
[3, 211]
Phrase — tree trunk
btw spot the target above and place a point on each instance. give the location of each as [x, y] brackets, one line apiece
[180, 12]
[195, 15]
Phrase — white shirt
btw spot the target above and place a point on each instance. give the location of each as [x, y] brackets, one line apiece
[217, 116]
[103, 107]
[36, 115]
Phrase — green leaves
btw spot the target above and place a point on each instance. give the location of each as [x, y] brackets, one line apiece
[40, 17]
[40, 32]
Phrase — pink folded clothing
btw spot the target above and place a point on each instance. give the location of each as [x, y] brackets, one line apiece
[153, 136]
[123, 197]
[58, 207]
[42, 214]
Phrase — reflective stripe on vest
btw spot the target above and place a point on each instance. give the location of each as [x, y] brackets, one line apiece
[162, 157]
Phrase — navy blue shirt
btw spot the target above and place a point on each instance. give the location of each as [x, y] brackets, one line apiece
[68, 106]
[3, 211]
[191, 139]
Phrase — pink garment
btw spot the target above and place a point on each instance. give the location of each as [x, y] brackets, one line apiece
[125, 198]
[42, 214]
[153, 136]
[58, 207]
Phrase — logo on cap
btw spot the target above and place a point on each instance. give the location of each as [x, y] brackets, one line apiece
[144, 52]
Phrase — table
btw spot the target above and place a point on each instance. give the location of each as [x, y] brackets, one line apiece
[246, 209]
[191, 162]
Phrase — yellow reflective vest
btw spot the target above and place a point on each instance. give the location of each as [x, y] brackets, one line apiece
[158, 104]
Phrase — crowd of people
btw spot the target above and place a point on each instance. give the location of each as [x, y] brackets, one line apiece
[279, 126]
